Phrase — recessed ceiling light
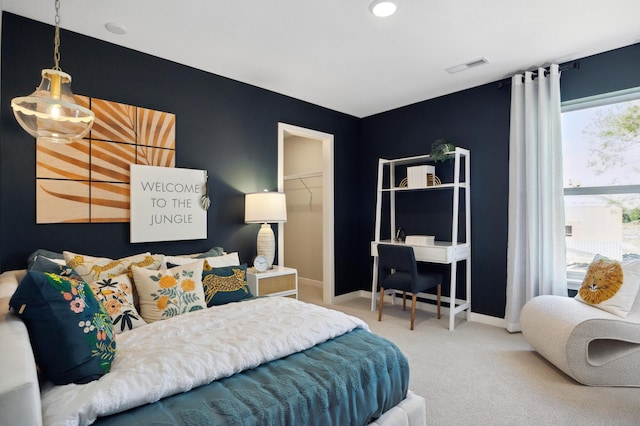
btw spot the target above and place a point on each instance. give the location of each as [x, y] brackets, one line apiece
[383, 8]
[115, 28]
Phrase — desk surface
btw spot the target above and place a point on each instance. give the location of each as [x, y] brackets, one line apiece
[440, 252]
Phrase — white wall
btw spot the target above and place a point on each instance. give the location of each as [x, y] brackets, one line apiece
[303, 229]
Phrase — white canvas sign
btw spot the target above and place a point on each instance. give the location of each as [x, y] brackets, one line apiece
[165, 204]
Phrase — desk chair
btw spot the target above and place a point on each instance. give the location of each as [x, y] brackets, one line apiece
[397, 270]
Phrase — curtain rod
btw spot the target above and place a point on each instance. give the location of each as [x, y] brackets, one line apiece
[573, 65]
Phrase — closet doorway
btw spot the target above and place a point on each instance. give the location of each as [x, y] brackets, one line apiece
[305, 174]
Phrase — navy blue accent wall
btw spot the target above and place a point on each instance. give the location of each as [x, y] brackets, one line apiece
[477, 119]
[223, 126]
[230, 129]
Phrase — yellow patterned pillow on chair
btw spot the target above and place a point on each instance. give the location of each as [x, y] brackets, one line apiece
[610, 285]
[98, 268]
[169, 292]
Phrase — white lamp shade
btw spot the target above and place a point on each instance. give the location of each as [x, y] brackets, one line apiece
[265, 207]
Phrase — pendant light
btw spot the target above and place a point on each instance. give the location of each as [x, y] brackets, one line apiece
[51, 113]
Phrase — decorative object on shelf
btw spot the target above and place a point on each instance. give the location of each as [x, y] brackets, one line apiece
[440, 148]
[51, 113]
[261, 263]
[265, 207]
[433, 180]
[205, 201]
[400, 235]
[419, 176]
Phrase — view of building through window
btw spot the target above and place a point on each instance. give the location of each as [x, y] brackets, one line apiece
[601, 160]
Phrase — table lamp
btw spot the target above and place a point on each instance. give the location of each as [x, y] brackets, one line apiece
[265, 207]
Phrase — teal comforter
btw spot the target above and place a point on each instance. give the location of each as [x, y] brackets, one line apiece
[349, 380]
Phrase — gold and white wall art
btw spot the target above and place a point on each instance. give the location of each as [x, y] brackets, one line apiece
[88, 181]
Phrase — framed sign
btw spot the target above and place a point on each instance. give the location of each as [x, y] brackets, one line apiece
[165, 204]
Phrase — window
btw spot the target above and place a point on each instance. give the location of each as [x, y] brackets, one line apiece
[568, 230]
[601, 154]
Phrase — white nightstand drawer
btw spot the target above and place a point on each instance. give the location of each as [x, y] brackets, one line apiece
[279, 281]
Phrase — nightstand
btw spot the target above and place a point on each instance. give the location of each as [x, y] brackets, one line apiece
[279, 281]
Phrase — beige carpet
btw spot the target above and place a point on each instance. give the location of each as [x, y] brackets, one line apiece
[483, 375]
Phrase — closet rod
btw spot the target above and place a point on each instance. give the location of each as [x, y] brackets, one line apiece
[303, 176]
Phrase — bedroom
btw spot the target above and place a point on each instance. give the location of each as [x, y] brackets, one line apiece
[237, 147]
[241, 142]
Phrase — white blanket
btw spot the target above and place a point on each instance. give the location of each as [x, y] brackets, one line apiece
[172, 356]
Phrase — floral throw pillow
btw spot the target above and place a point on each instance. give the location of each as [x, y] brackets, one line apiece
[169, 292]
[116, 294]
[70, 331]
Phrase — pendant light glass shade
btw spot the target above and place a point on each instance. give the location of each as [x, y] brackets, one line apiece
[51, 113]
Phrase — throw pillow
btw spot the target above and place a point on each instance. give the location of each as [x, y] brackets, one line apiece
[70, 331]
[610, 285]
[116, 294]
[44, 264]
[228, 259]
[97, 268]
[213, 251]
[169, 292]
[51, 255]
[225, 285]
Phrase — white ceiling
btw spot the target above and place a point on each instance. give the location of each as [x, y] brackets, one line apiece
[336, 54]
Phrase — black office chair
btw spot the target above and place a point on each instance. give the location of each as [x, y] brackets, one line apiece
[397, 270]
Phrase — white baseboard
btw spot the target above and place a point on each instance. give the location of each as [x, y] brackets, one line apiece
[428, 307]
[309, 282]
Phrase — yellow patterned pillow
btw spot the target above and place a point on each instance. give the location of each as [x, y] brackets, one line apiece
[610, 285]
[98, 268]
[169, 292]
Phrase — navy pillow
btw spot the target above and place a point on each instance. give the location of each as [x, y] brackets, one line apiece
[43, 253]
[226, 284]
[43, 264]
[70, 331]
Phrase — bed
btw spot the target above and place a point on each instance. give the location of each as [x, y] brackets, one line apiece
[260, 361]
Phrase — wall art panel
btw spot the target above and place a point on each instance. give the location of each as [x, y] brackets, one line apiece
[88, 180]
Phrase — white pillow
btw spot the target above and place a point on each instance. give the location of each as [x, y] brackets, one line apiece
[229, 259]
[169, 292]
[92, 268]
[610, 285]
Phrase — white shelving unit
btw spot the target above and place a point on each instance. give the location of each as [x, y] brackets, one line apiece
[444, 252]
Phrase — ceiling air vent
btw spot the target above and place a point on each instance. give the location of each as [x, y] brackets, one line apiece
[466, 66]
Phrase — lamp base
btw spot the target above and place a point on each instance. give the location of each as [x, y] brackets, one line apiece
[267, 243]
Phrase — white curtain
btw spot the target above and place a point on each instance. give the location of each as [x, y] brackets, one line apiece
[536, 262]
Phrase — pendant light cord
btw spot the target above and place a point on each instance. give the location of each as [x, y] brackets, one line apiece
[56, 40]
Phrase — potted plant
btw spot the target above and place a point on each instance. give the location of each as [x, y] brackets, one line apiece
[440, 148]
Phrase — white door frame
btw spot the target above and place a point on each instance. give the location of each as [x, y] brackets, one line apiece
[328, 259]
